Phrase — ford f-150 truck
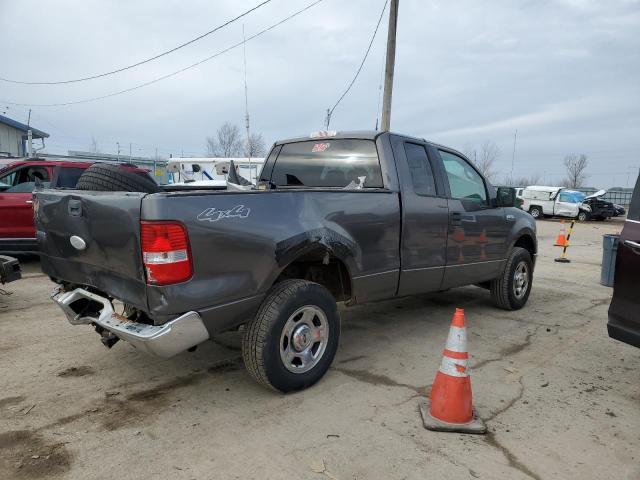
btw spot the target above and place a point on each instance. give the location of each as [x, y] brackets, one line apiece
[341, 217]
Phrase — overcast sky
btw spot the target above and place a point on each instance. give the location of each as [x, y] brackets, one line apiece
[564, 73]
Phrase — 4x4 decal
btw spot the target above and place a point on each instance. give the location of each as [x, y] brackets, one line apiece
[213, 215]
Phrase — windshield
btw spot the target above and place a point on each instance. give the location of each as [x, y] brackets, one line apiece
[328, 163]
[572, 197]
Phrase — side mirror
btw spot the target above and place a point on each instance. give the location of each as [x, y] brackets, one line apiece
[506, 197]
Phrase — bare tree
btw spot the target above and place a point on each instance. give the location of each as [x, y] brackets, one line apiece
[227, 142]
[489, 153]
[484, 157]
[576, 166]
[255, 147]
[94, 148]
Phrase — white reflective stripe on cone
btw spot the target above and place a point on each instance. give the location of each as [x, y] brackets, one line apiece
[457, 340]
[454, 367]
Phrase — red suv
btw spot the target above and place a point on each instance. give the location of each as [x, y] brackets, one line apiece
[17, 182]
[624, 316]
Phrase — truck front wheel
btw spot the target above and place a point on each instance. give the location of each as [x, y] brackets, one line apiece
[511, 290]
[583, 216]
[292, 340]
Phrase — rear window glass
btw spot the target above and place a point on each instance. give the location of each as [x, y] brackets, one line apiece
[69, 176]
[328, 163]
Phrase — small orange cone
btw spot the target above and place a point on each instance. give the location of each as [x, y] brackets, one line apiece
[449, 407]
[561, 239]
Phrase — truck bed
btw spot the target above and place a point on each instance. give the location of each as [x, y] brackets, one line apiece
[239, 241]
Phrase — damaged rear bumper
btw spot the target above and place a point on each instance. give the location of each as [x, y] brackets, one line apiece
[85, 308]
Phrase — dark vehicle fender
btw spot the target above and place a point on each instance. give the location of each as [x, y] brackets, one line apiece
[321, 255]
[522, 235]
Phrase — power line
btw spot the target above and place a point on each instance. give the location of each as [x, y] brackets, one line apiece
[142, 62]
[366, 54]
[164, 77]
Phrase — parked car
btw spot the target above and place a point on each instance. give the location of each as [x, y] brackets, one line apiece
[624, 311]
[338, 217]
[17, 181]
[619, 210]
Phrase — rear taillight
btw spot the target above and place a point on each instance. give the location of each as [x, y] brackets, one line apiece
[165, 252]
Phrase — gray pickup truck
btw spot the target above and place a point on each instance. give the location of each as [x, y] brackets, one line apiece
[349, 217]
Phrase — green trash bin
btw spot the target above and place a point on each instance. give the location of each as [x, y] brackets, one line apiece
[609, 250]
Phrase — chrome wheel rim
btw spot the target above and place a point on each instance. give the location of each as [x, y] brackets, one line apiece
[521, 280]
[304, 339]
[535, 213]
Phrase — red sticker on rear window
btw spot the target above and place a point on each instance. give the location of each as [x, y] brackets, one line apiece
[320, 147]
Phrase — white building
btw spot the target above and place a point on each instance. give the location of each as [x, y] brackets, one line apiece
[13, 137]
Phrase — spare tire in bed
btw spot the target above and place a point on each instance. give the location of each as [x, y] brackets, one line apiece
[105, 177]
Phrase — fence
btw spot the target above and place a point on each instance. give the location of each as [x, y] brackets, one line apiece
[621, 197]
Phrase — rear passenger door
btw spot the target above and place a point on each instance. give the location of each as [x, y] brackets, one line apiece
[424, 218]
[478, 230]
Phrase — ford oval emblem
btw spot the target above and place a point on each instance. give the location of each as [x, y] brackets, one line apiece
[77, 242]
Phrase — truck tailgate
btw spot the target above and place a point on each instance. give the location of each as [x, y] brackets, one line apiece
[109, 224]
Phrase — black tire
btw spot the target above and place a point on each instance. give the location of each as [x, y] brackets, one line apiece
[503, 293]
[262, 339]
[583, 216]
[105, 177]
[536, 212]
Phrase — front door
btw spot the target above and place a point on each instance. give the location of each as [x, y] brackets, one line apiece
[424, 219]
[16, 204]
[478, 230]
[624, 319]
[566, 205]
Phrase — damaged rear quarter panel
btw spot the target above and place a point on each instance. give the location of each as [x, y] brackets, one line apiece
[241, 242]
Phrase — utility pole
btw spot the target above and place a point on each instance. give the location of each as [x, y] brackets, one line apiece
[29, 137]
[513, 156]
[390, 65]
[118, 144]
[129, 152]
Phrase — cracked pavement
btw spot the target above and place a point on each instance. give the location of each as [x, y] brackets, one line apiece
[560, 398]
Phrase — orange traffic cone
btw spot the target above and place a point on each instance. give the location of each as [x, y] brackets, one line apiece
[561, 239]
[449, 407]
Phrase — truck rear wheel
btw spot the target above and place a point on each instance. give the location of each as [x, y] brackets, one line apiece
[292, 340]
[511, 290]
[536, 212]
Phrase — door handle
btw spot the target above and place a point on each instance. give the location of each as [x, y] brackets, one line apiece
[456, 218]
[28, 201]
[633, 245]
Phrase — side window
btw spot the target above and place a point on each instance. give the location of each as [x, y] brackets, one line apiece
[23, 180]
[464, 182]
[68, 177]
[6, 180]
[565, 197]
[420, 168]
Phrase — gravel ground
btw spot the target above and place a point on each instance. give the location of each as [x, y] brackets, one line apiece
[560, 398]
